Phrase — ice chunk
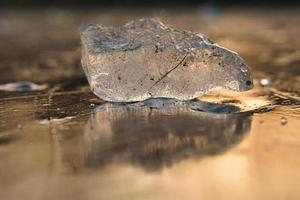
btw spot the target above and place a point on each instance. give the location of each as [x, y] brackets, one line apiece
[146, 59]
[24, 86]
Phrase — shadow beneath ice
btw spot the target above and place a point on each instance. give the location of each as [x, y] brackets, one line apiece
[153, 135]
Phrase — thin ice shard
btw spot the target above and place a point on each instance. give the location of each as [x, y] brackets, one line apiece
[146, 59]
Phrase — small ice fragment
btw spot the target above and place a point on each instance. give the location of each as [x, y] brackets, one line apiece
[146, 59]
[23, 86]
[265, 82]
[55, 120]
[283, 121]
[19, 126]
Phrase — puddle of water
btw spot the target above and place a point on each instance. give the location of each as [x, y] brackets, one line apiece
[145, 150]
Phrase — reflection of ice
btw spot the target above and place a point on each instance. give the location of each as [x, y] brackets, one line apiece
[190, 104]
[154, 137]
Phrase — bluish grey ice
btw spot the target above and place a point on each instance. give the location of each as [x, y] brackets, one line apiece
[146, 59]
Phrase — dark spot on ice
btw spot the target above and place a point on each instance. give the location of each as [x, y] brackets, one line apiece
[248, 83]
[24, 87]
[156, 49]
[119, 78]
[231, 101]
[152, 79]
[216, 54]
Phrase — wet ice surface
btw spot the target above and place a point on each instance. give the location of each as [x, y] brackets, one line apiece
[65, 143]
[146, 59]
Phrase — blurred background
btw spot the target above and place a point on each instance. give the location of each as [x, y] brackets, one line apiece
[42, 37]
[120, 3]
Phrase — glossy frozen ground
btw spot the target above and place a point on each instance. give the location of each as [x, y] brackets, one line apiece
[59, 141]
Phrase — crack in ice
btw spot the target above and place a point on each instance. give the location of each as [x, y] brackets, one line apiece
[166, 74]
